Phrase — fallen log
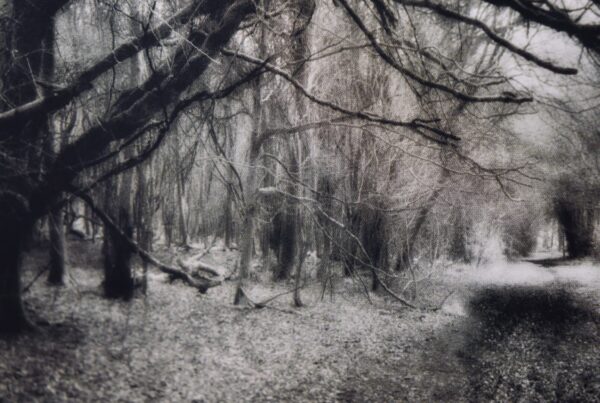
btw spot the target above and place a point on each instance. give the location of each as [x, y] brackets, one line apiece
[194, 265]
[202, 284]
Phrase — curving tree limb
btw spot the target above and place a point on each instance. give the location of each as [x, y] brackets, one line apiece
[202, 285]
[447, 13]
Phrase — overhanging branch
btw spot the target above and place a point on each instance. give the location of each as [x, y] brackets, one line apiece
[557, 19]
[447, 13]
[61, 96]
[418, 125]
[415, 77]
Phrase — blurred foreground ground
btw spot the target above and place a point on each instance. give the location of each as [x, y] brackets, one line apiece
[509, 331]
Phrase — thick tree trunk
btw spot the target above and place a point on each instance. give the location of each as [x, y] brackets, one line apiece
[143, 214]
[15, 228]
[578, 228]
[12, 314]
[291, 235]
[168, 214]
[287, 242]
[268, 236]
[250, 209]
[374, 240]
[118, 279]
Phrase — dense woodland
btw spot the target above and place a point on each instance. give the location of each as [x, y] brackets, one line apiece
[318, 139]
[299, 200]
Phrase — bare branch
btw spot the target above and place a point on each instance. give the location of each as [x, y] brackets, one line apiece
[445, 12]
[427, 83]
[558, 20]
[61, 96]
[416, 124]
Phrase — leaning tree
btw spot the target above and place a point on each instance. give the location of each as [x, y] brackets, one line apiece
[26, 192]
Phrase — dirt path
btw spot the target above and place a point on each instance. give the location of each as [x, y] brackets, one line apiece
[521, 332]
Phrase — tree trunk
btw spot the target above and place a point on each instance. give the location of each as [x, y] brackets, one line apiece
[228, 219]
[143, 214]
[118, 279]
[228, 206]
[183, 234]
[578, 229]
[323, 230]
[406, 257]
[15, 228]
[168, 213]
[291, 236]
[250, 208]
[302, 246]
[247, 232]
[24, 30]
[349, 255]
[287, 242]
[323, 271]
[56, 275]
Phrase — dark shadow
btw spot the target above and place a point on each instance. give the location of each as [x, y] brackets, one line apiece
[42, 332]
[550, 262]
[544, 309]
[532, 344]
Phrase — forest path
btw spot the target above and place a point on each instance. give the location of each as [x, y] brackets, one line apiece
[509, 332]
[522, 332]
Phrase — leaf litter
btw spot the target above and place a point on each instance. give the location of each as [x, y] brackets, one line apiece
[177, 345]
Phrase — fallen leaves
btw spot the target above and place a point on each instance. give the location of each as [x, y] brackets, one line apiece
[176, 345]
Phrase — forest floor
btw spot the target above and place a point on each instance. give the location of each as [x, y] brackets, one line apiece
[509, 332]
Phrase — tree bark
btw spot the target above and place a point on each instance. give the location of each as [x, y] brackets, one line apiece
[250, 199]
[247, 232]
[577, 228]
[183, 233]
[228, 230]
[15, 227]
[303, 247]
[291, 234]
[57, 270]
[118, 279]
[143, 214]
[326, 191]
